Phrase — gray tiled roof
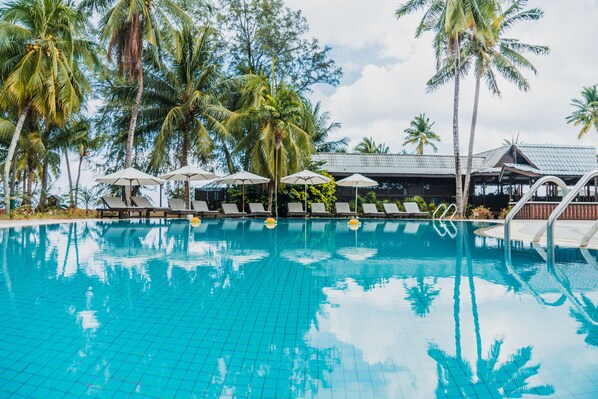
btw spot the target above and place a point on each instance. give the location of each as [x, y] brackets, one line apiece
[391, 164]
[561, 160]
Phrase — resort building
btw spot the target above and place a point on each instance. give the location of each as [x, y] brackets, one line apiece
[500, 175]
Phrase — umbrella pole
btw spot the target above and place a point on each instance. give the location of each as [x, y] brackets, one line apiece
[243, 197]
[355, 201]
[161, 187]
[305, 188]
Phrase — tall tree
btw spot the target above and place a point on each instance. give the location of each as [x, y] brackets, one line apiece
[322, 127]
[273, 122]
[492, 55]
[420, 133]
[368, 146]
[128, 25]
[42, 51]
[586, 110]
[181, 108]
[266, 30]
[449, 20]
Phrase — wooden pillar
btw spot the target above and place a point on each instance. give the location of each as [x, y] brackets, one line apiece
[484, 191]
[510, 188]
[596, 189]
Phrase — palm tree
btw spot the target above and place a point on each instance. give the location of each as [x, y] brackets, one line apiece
[180, 108]
[420, 133]
[449, 21]
[369, 146]
[322, 129]
[497, 55]
[513, 140]
[128, 25]
[277, 136]
[586, 112]
[41, 50]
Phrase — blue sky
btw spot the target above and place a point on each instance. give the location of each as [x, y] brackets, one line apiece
[386, 69]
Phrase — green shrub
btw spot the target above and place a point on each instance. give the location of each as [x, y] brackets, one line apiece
[481, 212]
[420, 202]
[504, 212]
[324, 193]
[400, 206]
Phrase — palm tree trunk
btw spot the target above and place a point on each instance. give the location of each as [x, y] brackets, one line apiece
[68, 172]
[474, 119]
[131, 133]
[10, 155]
[184, 162]
[456, 149]
[43, 196]
[77, 181]
[229, 159]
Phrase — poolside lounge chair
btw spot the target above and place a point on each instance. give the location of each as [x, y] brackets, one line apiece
[343, 209]
[392, 210]
[177, 207]
[319, 209]
[202, 208]
[231, 211]
[295, 209]
[413, 210]
[144, 202]
[370, 210]
[257, 209]
[114, 206]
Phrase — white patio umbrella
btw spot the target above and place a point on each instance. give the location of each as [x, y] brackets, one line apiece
[305, 177]
[243, 178]
[356, 181]
[130, 177]
[188, 173]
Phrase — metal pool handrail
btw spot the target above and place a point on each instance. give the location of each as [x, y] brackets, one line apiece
[443, 216]
[441, 206]
[521, 203]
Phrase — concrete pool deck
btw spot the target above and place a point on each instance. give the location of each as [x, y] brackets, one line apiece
[566, 232]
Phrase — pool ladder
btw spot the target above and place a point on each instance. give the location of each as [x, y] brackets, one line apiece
[548, 228]
[446, 211]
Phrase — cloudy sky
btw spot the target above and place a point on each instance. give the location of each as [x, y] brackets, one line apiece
[386, 68]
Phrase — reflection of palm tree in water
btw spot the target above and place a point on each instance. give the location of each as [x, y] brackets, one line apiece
[586, 327]
[455, 374]
[422, 294]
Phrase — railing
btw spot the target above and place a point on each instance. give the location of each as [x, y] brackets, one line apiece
[446, 210]
[521, 203]
[567, 199]
[441, 206]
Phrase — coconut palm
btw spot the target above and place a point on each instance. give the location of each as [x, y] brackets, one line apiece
[586, 110]
[42, 50]
[180, 108]
[493, 55]
[128, 25]
[449, 21]
[368, 146]
[420, 133]
[277, 136]
[322, 127]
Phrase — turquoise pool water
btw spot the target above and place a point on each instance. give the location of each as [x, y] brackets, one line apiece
[231, 309]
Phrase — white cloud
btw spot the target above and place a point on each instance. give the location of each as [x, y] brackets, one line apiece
[389, 69]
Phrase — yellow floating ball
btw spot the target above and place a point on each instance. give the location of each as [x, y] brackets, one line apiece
[354, 224]
[195, 221]
[270, 223]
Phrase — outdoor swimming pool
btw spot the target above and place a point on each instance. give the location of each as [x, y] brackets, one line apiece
[396, 309]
